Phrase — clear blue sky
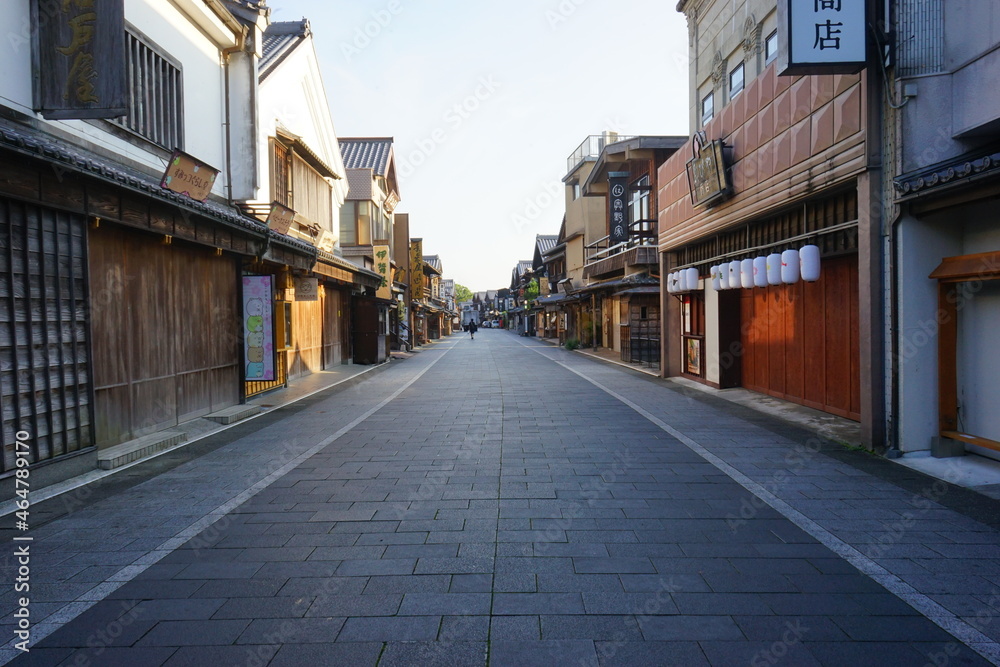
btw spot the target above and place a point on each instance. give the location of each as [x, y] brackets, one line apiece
[487, 100]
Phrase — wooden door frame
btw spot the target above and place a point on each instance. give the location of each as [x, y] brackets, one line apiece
[950, 274]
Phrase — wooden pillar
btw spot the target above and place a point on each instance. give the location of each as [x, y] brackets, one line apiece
[947, 357]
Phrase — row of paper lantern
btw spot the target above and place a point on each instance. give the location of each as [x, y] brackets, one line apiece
[775, 269]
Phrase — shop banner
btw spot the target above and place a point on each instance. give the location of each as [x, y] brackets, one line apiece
[258, 323]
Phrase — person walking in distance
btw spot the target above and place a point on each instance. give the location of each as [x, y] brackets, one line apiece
[473, 327]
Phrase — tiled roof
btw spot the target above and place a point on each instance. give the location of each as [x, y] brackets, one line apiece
[434, 261]
[366, 153]
[280, 39]
[524, 266]
[955, 172]
[75, 159]
[545, 242]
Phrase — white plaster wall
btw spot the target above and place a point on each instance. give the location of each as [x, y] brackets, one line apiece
[978, 324]
[15, 54]
[711, 349]
[979, 362]
[922, 244]
[293, 95]
[161, 22]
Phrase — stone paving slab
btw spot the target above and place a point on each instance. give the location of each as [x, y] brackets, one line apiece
[522, 505]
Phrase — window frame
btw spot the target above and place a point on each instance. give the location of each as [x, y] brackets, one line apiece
[741, 69]
[707, 117]
[772, 39]
[168, 138]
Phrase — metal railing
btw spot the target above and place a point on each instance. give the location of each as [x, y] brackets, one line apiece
[641, 233]
[591, 148]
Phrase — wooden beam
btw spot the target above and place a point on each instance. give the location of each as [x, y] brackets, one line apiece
[963, 268]
[972, 440]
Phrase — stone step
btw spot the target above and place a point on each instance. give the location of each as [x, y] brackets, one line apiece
[133, 450]
[234, 414]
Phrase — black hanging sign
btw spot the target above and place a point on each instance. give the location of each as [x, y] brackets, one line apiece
[79, 58]
[617, 207]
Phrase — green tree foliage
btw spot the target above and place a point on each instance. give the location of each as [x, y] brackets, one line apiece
[531, 291]
[462, 293]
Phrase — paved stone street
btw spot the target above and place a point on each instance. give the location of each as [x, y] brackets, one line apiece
[505, 502]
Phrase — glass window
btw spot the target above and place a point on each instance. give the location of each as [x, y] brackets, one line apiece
[576, 191]
[288, 323]
[707, 108]
[364, 223]
[771, 47]
[736, 81]
[348, 224]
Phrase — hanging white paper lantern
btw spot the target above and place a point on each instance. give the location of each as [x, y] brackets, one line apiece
[790, 267]
[809, 263]
[691, 278]
[734, 274]
[716, 278]
[746, 273]
[760, 272]
[774, 269]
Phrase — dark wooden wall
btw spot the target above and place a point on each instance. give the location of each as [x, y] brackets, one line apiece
[801, 341]
[44, 368]
[166, 323]
[336, 321]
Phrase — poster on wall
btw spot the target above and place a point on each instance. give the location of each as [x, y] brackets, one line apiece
[258, 332]
[693, 365]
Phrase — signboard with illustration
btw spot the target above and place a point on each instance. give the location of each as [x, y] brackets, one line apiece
[258, 327]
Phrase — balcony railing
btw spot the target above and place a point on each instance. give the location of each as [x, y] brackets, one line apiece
[591, 148]
[641, 233]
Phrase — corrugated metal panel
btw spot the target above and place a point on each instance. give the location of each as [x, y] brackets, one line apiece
[920, 45]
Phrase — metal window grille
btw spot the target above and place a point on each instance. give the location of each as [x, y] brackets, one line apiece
[155, 94]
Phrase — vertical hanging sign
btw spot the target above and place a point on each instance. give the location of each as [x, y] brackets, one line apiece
[417, 269]
[382, 267]
[617, 207]
[258, 323]
[822, 36]
[79, 58]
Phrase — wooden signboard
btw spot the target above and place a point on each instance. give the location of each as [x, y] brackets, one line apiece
[280, 218]
[189, 176]
[382, 267]
[306, 289]
[79, 58]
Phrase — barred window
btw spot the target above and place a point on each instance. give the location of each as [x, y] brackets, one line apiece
[155, 94]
